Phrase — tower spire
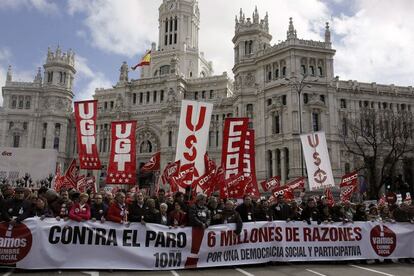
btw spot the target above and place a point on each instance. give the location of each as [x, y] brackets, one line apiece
[291, 33]
[255, 16]
[9, 74]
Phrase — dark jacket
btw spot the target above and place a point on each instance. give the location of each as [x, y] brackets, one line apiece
[42, 212]
[99, 211]
[310, 214]
[20, 209]
[218, 213]
[152, 216]
[232, 216]
[246, 212]
[199, 215]
[281, 211]
[263, 214]
[136, 212]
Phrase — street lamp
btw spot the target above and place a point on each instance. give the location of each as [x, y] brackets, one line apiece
[299, 85]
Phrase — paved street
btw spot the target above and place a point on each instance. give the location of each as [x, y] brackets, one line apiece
[292, 269]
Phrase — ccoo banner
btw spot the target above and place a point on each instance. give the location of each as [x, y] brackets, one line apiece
[122, 162]
[192, 139]
[51, 244]
[85, 116]
[317, 160]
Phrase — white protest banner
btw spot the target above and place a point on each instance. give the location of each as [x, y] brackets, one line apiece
[193, 138]
[317, 160]
[16, 162]
[51, 244]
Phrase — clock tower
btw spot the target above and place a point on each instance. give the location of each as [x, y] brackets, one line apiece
[179, 22]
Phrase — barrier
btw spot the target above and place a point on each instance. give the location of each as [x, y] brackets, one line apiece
[51, 244]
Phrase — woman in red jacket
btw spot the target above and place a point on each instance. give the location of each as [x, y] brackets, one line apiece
[80, 211]
[117, 211]
[177, 217]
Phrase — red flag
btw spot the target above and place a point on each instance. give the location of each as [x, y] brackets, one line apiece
[85, 117]
[348, 185]
[122, 161]
[271, 183]
[72, 173]
[206, 181]
[329, 197]
[169, 172]
[249, 168]
[287, 189]
[153, 164]
[239, 189]
[86, 183]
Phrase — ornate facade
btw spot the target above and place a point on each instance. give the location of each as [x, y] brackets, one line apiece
[285, 89]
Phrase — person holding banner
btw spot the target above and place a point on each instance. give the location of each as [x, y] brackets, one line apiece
[137, 208]
[281, 209]
[263, 212]
[80, 211]
[118, 212]
[17, 209]
[310, 212]
[64, 204]
[230, 215]
[152, 214]
[41, 209]
[177, 218]
[246, 209]
[99, 209]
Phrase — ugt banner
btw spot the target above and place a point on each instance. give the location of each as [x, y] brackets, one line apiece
[85, 116]
[317, 160]
[51, 244]
[122, 162]
[192, 139]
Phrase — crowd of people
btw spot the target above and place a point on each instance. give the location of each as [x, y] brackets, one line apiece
[179, 209]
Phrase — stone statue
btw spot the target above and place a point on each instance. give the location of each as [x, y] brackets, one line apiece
[123, 76]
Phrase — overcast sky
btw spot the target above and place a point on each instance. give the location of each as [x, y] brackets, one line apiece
[374, 38]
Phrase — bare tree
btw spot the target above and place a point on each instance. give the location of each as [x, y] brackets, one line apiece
[380, 138]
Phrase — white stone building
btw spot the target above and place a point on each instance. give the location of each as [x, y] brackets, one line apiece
[267, 77]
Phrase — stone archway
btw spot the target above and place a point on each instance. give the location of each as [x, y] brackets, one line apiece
[148, 143]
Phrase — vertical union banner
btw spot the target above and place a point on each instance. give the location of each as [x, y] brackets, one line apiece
[249, 168]
[234, 141]
[122, 162]
[317, 160]
[192, 139]
[85, 117]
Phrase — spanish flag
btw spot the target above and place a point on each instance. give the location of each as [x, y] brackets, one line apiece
[146, 59]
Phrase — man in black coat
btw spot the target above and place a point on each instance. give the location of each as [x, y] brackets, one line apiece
[311, 212]
[137, 208]
[99, 209]
[281, 209]
[199, 215]
[246, 209]
[230, 215]
[17, 209]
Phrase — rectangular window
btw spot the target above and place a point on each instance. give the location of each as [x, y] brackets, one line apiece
[277, 124]
[25, 126]
[175, 38]
[21, 100]
[166, 40]
[43, 142]
[322, 97]
[134, 98]
[112, 104]
[154, 97]
[195, 95]
[166, 25]
[305, 98]
[56, 143]
[315, 122]
[217, 138]
[344, 127]
[105, 105]
[343, 103]
[211, 94]
[170, 138]
[162, 96]
[203, 94]
[175, 24]
[141, 97]
[27, 102]
[170, 39]
[284, 99]
[16, 141]
[104, 145]
[148, 97]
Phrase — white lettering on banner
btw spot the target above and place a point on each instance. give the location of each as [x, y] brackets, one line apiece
[87, 126]
[122, 146]
[233, 151]
[348, 179]
[88, 245]
[247, 170]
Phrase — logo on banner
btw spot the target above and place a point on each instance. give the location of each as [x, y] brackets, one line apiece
[383, 240]
[122, 146]
[15, 242]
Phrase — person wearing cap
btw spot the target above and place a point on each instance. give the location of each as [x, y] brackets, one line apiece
[17, 208]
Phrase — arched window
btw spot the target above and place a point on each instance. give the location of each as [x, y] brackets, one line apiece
[277, 73]
[249, 111]
[284, 71]
[49, 77]
[312, 70]
[145, 147]
[303, 69]
[320, 71]
[164, 70]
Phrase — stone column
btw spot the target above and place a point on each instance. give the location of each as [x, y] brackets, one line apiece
[274, 163]
[283, 165]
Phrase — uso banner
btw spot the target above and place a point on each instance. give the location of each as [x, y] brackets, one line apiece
[51, 244]
[317, 160]
[85, 116]
[122, 162]
[192, 139]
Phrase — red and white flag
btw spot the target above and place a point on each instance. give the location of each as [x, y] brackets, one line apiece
[249, 168]
[122, 161]
[271, 183]
[288, 189]
[206, 181]
[153, 164]
[85, 117]
[86, 183]
[329, 197]
[72, 173]
[170, 170]
[349, 185]
[192, 139]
